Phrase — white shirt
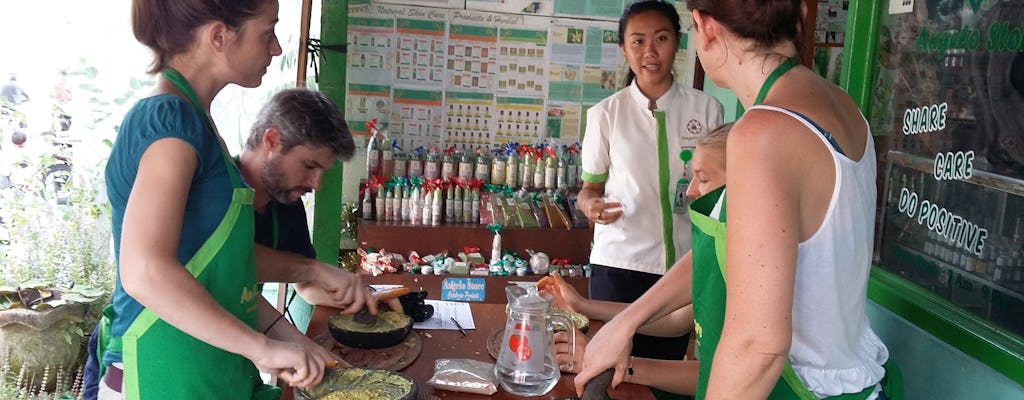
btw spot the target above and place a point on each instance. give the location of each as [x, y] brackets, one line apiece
[834, 350]
[620, 149]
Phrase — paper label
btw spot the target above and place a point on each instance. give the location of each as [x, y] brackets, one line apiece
[463, 289]
[900, 6]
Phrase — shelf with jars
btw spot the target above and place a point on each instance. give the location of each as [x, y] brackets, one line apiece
[446, 202]
[962, 239]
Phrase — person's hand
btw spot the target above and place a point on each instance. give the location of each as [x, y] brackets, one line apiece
[566, 296]
[600, 211]
[390, 297]
[609, 348]
[331, 360]
[296, 363]
[335, 287]
[567, 362]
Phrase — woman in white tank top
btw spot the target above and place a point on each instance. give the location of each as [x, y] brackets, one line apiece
[801, 206]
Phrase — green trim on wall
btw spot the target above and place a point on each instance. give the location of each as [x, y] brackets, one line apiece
[989, 344]
[327, 209]
[862, 24]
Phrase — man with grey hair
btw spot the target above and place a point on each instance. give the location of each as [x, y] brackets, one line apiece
[298, 135]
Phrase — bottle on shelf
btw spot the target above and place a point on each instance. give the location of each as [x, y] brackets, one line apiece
[432, 166]
[498, 165]
[389, 205]
[373, 146]
[526, 170]
[380, 203]
[415, 208]
[436, 206]
[428, 205]
[550, 169]
[483, 166]
[457, 205]
[397, 210]
[512, 166]
[449, 206]
[367, 204]
[448, 164]
[416, 163]
[561, 180]
[387, 156]
[406, 204]
[467, 205]
[474, 206]
[573, 167]
[466, 165]
[539, 169]
[401, 168]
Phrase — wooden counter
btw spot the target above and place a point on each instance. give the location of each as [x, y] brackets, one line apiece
[402, 237]
[488, 317]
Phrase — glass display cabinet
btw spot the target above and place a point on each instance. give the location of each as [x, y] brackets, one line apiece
[960, 239]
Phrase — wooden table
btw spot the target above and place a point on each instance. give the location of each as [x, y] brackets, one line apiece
[488, 317]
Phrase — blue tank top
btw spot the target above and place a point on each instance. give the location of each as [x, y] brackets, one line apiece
[151, 119]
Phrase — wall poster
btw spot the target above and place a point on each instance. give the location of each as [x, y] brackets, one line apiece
[481, 73]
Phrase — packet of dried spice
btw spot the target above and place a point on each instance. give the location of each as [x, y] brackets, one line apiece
[464, 375]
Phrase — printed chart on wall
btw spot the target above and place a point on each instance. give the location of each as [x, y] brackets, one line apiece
[520, 119]
[511, 6]
[420, 53]
[472, 57]
[521, 67]
[428, 3]
[370, 60]
[606, 9]
[585, 63]
[416, 117]
[565, 121]
[365, 103]
[483, 72]
[469, 119]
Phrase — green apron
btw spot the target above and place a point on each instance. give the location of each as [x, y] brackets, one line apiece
[709, 291]
[161, 361]
[709, 301]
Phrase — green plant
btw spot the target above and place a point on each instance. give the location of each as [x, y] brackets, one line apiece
[65, 246]
[18, 386]
[57, 272]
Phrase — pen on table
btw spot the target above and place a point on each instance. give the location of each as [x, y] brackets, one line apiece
[457, 325]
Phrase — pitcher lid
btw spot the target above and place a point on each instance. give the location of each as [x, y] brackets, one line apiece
[528, 299]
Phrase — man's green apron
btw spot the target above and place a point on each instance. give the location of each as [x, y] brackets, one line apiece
[161, 361]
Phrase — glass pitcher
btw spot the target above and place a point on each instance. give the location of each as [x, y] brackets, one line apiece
[527, 365]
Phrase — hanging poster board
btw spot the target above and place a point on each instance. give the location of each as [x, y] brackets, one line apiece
[477, 74]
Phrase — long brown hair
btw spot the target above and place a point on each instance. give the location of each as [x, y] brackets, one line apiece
[766, 22]
[167, 27]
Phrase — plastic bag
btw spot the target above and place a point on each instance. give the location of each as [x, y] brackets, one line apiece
[464, 375]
